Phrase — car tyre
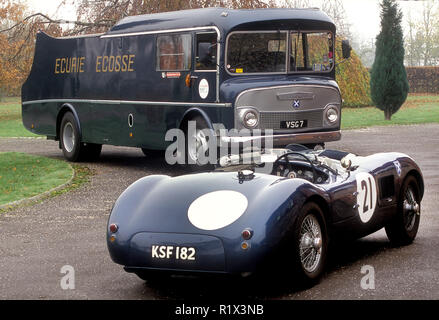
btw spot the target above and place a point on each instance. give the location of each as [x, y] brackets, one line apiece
[310, 244]
[404, 226]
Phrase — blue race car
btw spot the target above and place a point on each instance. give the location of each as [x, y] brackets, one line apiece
[235, 220]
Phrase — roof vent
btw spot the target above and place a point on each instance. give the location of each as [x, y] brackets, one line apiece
[224, 14]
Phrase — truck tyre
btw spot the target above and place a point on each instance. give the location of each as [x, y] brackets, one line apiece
[199, 145]
[69, 136]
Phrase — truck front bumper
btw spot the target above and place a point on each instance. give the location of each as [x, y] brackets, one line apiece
[284, 139]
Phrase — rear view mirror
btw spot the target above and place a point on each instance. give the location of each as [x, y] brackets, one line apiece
[346, 49]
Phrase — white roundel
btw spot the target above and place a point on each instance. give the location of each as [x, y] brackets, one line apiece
[203, 88]
[366, 195]
[215, 210]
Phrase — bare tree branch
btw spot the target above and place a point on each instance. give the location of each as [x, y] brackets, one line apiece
[101, 23]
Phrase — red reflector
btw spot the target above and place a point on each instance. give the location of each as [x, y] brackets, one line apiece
[113, 227]
[246, 234]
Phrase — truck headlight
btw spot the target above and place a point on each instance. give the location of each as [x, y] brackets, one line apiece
[332, 115]
[250, 119]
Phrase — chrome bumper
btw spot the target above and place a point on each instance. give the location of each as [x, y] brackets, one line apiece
[284, 139]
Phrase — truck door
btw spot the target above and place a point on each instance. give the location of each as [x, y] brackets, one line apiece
[205, 67]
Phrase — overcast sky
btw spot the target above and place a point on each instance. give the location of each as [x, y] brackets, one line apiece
[363, 15]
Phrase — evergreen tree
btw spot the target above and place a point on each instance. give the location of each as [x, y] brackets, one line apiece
[388, 83]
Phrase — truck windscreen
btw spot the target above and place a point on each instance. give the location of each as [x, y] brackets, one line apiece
[278, 52]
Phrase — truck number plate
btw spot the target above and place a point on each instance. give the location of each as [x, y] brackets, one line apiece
[294, 124]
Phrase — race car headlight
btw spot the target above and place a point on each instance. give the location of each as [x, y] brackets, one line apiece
[250, 119]
[332, 115]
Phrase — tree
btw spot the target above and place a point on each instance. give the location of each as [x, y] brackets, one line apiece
[388, 83]
[17, 35]
[422, 40]
[105, 13]
[333, 8]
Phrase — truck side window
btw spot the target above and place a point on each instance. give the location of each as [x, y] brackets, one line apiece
[174, 52]
[206, 51]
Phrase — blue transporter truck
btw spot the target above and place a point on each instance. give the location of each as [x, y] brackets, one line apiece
[243, 69]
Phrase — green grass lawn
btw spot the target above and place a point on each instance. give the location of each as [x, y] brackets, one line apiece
[10, 119]
[417, 109]
[24, 176]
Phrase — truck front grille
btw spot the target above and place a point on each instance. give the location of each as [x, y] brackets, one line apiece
[271, 120]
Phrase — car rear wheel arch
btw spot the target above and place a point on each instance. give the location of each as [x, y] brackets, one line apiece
[419, 180]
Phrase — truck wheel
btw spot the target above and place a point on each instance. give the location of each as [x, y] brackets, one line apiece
[404, 226]
[69, 138]
[310, 244]
[199, 147]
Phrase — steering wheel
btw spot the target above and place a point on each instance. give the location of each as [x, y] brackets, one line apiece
[314, 172]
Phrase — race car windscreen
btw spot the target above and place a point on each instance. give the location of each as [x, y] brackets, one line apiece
[278, 52]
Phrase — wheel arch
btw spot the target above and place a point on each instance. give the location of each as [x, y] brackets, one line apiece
[67, 107]
[192, 113]
[324, 206]
[419, 180]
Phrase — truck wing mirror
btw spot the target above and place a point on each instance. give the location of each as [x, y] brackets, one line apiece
[346, 49]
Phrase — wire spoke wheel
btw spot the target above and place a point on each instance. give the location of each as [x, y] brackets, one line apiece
[411, 209]
[402, 229]
[310, 243]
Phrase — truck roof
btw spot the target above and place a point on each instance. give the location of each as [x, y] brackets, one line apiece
[224, 19]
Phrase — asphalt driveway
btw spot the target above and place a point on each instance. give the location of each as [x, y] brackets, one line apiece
[37, 241]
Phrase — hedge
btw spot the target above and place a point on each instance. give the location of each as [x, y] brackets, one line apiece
[354, 80]
[423, 79]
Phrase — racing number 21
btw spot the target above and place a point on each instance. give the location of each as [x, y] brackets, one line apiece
[366, 195]
[364, 187]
